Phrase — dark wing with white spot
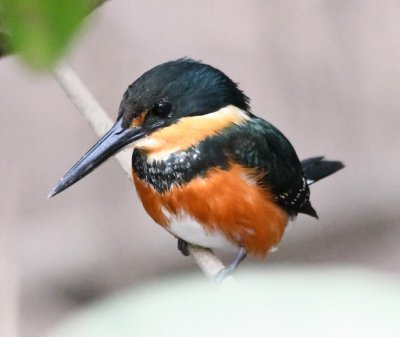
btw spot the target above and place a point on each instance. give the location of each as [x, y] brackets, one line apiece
[258, 144]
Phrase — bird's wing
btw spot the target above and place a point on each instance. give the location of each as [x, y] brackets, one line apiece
[258, 144]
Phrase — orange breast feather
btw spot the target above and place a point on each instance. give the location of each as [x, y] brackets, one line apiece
[228, 201]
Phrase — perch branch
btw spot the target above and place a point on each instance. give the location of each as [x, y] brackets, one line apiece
[101, 122]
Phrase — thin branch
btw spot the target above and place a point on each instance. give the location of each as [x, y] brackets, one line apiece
[9, 287]
[101, 122]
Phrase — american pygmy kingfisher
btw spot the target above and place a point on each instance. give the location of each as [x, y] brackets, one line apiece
[205, 168]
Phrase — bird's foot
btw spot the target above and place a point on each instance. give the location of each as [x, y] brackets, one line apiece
[223, 273]
[183, 247]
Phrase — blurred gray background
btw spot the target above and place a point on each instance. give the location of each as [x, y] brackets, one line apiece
[326, 73]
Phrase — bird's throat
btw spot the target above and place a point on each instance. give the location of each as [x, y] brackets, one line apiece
[188, 132]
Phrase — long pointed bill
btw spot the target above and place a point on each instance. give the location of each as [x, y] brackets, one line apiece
[113, 141]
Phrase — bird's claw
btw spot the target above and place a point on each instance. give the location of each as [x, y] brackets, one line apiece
[183, 247]
[222, 274]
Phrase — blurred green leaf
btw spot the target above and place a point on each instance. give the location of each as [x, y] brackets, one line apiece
[41, 30]
[4, 44]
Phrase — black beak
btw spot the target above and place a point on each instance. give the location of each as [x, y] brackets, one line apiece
[113, 141]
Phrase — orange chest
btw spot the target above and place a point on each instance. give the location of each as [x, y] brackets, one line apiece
[227, 202]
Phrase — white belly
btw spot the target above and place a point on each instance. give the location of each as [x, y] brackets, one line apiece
[186, 228]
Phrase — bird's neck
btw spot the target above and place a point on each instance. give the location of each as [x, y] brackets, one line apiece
[178, 168]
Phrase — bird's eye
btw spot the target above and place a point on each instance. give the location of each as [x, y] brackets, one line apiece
[162, 109]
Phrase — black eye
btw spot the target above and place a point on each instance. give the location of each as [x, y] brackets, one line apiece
[162, 109]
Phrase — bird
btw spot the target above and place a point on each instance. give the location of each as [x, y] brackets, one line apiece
[206, 168]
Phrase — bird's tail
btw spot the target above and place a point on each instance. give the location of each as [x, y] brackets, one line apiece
[317, 168]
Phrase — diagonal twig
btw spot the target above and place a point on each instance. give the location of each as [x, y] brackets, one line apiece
[101, 123]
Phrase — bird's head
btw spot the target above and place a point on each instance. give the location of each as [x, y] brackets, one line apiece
[170, 107]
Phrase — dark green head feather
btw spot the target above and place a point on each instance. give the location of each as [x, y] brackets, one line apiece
[192, 88]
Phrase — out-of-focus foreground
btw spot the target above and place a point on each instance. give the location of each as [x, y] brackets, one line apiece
[325, 73]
